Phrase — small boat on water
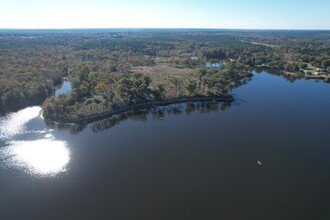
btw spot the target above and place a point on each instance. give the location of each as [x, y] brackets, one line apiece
[161, 118]
[259, 163]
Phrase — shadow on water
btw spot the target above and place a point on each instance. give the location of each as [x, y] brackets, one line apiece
[160, 113]
[238, 101]
[142, 115]
[273, 72]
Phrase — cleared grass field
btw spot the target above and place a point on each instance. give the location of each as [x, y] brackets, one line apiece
[310, 67]
[163, 74]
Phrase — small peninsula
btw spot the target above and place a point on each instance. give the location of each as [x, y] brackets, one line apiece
[114, 70]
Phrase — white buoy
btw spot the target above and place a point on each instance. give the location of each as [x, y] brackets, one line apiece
[259, 163]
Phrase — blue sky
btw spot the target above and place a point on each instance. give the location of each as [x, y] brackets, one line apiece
[246, 14]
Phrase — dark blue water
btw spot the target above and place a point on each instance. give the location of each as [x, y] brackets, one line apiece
[199, 162]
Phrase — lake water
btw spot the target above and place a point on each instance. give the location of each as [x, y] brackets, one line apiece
[214, 65]
[64, 89]
[199, 162]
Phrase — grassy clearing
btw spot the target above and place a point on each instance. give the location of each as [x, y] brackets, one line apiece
[310, 67]
[163, 74]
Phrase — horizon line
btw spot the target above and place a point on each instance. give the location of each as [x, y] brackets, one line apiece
[168, 28]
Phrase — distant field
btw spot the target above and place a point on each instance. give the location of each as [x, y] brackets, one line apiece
[163, 74]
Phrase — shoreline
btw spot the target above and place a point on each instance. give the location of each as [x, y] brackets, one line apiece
[102, 115]
[298, 74]
[305, 76]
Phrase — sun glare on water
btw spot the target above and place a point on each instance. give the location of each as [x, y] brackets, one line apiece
[14, 123]
[43, 157]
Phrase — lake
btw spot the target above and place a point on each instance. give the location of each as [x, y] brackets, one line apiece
[186, 161]
[64, 89]
[214, 65]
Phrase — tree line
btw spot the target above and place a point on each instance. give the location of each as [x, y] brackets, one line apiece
[99, 63]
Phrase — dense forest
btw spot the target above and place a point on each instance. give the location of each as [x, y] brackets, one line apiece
[114, 69]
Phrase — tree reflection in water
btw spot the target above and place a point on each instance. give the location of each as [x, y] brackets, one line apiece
[160, 113]
[155, 113]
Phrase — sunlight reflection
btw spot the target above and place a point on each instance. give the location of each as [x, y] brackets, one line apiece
[45, 157]
[14, 123]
